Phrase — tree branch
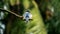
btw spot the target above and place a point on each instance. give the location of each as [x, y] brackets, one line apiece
[11, 12]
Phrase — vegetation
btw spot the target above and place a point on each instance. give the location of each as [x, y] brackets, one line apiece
[39, 24]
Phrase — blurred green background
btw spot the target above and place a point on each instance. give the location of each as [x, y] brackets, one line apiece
[39, 24]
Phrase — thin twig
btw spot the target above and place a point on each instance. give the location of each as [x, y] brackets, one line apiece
[12, 13]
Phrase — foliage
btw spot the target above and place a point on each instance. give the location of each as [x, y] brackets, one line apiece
[37, 25]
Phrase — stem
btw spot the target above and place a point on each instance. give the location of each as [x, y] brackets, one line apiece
[12, 13]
